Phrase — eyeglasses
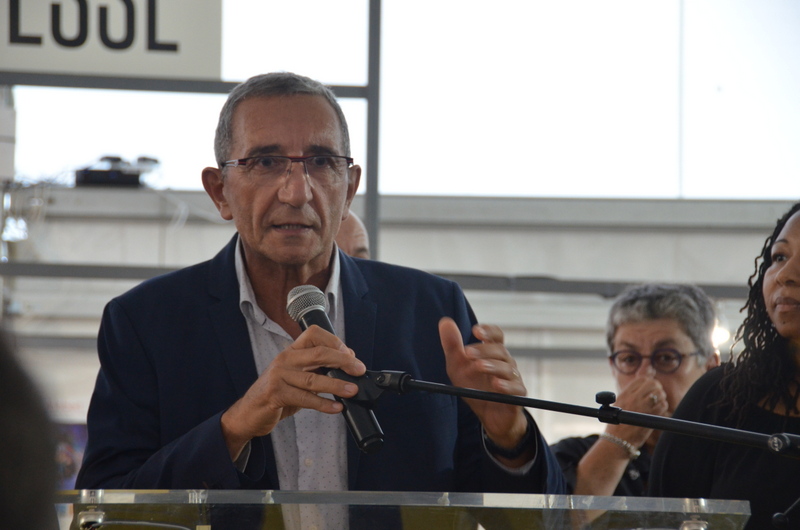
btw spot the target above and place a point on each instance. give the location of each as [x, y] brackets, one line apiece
[664, 361]
[322, 168]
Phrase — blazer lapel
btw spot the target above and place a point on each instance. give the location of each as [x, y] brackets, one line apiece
[230, 328]
[233, 339]
[359, 323]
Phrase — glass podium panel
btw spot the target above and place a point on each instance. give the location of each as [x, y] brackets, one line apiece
[317, 510]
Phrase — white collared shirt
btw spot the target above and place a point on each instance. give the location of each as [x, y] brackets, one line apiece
[310, 446]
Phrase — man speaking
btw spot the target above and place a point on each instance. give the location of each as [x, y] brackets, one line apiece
[206, 381]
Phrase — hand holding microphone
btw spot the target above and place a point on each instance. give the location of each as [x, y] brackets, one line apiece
[289, 384]
[306, 305]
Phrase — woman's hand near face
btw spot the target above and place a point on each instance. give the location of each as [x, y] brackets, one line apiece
[643, 394]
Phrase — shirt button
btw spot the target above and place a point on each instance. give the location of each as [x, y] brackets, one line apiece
[309, 462]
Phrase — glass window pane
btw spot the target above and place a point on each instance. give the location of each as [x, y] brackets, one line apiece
[568, 98]
[742, 111]
[572, 98]
[321, 39]
[60, 130]
[355, 111]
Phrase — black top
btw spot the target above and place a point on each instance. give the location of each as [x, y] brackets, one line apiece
[688, 466]
[633, 483]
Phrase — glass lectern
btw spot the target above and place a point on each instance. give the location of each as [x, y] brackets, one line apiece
[267, 510]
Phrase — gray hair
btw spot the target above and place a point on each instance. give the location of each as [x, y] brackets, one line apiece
[268, 85]
[686, 304]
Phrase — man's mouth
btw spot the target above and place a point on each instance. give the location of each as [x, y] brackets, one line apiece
[291, 227]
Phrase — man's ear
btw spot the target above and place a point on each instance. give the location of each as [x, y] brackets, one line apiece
[214, 183]
[353, 180]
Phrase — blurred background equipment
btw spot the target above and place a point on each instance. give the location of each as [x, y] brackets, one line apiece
[115, 171]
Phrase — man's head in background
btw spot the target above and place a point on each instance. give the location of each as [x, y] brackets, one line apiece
[352, 237]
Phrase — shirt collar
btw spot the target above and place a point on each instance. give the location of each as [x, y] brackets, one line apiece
[247, 297]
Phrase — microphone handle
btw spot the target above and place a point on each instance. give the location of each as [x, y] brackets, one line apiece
[360, 419]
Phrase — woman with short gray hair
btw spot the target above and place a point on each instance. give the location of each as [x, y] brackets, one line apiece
[660, 342]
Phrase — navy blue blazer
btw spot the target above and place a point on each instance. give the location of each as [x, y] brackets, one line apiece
[175, 353]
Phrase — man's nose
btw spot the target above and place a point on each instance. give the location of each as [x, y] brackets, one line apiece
[296, 188]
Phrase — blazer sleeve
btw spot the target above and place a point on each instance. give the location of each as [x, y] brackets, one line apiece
[127, 446]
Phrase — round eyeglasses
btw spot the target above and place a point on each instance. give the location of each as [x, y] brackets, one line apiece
[321, 168]
[663, 361]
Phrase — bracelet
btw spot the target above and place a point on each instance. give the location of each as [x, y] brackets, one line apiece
[515, 452]
[633, 453]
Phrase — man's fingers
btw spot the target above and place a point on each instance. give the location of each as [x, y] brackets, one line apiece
[318, 382]
[321, 357]
[488, 333]
[316, 348]
[296, 397]
[316, 336]
[449, 334]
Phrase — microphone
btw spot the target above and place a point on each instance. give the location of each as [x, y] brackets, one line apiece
[307, 306]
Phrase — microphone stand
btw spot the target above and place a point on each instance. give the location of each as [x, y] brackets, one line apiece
[374, 383]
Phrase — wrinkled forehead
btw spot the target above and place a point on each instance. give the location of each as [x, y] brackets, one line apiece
[306, 122]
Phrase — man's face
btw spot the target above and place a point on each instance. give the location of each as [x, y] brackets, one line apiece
[292, 221]
[649, 336]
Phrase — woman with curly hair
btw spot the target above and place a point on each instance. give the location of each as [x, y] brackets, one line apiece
[758, 390]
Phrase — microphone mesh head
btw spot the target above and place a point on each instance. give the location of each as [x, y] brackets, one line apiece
[305, 297]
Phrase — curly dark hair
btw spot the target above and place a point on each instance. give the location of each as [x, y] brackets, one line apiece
[764, 373]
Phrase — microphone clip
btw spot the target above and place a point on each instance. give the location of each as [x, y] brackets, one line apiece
[373, 384]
